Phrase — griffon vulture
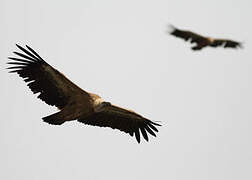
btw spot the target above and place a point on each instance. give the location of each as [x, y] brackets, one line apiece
[73, 102]
[202, 41]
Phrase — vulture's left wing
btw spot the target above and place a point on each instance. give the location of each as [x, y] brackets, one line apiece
[186, 35]
[124, 120]
[54, 88]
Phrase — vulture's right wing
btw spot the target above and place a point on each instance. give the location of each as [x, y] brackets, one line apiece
[227, 43]
[124, 120]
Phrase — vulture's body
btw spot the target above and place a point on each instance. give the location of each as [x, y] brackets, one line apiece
[202, 41]
[74, 103]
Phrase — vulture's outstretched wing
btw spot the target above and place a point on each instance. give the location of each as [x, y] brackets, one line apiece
[186, 35]
[124, 120]
[226, 42]
[55, 89]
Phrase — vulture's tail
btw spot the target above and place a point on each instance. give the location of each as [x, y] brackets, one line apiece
[54, 119]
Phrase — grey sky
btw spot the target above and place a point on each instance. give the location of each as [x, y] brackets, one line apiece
[121, 51]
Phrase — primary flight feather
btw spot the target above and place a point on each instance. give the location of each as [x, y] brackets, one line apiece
[74, 103]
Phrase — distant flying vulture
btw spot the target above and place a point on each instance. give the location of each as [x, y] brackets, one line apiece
[73, 102]
[202, 41]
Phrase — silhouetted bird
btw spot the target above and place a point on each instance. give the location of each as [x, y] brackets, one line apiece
[202, 41]
[73, 102]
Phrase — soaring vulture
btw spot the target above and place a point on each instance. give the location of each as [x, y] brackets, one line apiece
[73, 102]
[202, 41]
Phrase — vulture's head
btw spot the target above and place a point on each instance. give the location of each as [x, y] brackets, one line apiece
[105, 104]
[100, 107]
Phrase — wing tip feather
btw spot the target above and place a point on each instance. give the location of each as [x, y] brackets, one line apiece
[137, 135]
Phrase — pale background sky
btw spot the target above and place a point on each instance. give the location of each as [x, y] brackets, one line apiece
[121, 51]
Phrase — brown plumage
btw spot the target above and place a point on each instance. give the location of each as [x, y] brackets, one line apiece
[74, 103]
[202, 41]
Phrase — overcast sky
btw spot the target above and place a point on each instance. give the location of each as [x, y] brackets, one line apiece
[121, 51]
